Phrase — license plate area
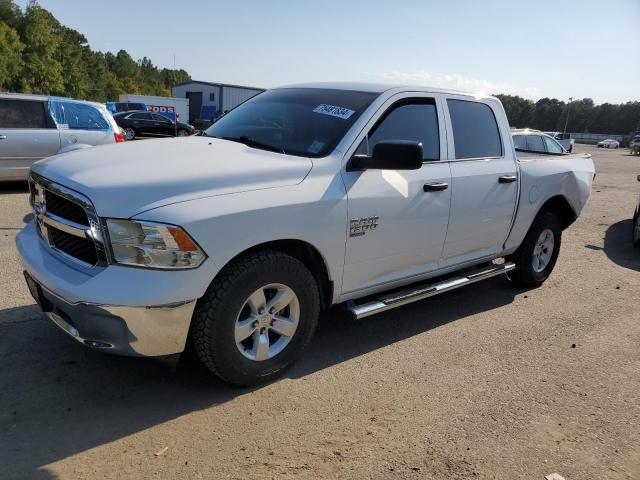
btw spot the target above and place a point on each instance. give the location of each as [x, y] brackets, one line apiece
[36, 292]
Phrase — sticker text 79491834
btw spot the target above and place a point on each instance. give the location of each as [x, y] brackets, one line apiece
[334, 111]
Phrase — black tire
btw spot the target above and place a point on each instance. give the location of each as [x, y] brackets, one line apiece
[214, 318]
[130, 133]
[635, 235]
[524, 274]
[183, 133]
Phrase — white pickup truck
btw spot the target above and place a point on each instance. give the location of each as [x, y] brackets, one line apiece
[369, 196]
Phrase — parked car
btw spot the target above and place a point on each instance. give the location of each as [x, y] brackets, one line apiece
[609, 143]
[634, 145]
[535, 141]
[300, 198]
[117, 107]
[148, 124]
[33, 127]
[563, 139]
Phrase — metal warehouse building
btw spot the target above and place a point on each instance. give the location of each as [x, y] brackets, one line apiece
[206, 98]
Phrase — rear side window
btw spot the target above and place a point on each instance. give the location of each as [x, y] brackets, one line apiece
[79, 116]
[23, 114]
[475, 130]
[520, 142]
[535, 143]
[553, 146]
[416, 122]
[141, 116]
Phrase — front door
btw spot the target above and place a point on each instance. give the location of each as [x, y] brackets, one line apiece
[398, 220]
[163, 126]
[484, 180]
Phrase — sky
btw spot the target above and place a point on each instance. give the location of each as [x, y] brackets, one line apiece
[535, 49]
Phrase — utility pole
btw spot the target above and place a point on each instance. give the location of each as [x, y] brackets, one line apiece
[568, 109]
[175, 113]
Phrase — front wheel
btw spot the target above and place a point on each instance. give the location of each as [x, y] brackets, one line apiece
[256, 318]
[538, 253]
[183, 133]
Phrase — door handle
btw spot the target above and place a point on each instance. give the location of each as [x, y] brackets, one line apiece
[3, 137]
[435, 187]
[507, 178]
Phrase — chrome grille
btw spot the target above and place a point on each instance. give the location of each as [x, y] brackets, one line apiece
[64, 208]
[67, 221]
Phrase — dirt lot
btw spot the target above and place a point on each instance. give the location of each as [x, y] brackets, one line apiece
[484, 382]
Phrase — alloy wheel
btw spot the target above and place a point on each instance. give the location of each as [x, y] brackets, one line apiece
[543, 250]
[267, 322]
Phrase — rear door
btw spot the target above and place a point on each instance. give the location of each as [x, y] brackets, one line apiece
[397, 225]
[27, 133]
[484, 180]
[162, 125]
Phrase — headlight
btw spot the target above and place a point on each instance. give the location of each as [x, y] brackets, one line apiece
[153, 245]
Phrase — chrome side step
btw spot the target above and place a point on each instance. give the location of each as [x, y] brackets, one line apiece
[423, 291]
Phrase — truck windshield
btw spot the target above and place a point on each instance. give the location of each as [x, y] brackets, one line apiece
[307, 122]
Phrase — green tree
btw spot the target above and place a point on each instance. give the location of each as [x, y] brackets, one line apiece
[10, 14]
[42, 71]
[72, 57]
[10, 57]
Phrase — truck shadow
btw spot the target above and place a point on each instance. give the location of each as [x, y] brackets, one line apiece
[59, 398]
[618, 246]
[14, 187]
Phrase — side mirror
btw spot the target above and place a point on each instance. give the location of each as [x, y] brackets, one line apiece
[389, 155]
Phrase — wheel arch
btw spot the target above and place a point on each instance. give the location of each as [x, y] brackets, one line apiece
[308, 254]
[560, 206]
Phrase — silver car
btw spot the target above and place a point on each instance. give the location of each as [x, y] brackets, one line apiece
[36, 126]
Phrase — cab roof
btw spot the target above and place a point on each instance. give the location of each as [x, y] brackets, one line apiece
[383, 87]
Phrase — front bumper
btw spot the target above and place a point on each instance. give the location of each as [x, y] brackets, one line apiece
[72, 298]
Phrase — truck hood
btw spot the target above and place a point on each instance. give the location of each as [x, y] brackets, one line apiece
[123, 180]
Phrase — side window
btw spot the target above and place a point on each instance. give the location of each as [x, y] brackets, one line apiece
[141, 116]
[552, 145]
[416, 122]
[475, 130]
[23, 114]
[160, 118]
[79, 116]
[535, 143]
[520, 142]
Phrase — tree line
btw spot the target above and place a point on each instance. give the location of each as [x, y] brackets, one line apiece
[550, 114]
[40, 55]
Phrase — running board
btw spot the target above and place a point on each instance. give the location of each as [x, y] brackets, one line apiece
[423, 291]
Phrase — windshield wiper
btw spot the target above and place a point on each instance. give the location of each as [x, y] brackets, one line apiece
[249, 142]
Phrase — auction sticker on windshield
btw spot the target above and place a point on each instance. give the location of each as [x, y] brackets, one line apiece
[334, 111]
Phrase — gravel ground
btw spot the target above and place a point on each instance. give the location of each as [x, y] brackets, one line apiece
[489, 381]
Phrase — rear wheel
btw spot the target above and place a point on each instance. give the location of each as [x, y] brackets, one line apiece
[129, 133]
[536, 257]
[256, 318]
